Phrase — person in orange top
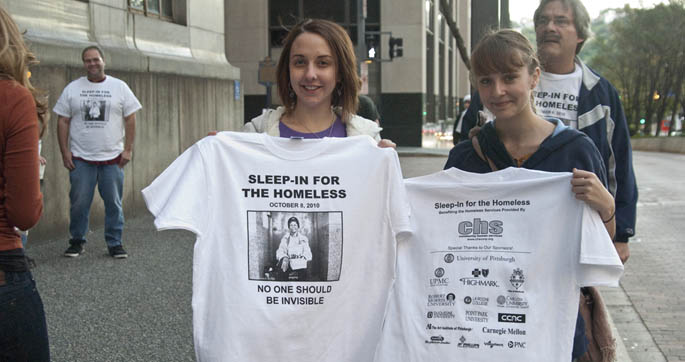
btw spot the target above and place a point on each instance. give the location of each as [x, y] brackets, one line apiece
[23, 330]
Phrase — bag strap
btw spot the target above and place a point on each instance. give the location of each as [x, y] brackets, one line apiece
[479, 152]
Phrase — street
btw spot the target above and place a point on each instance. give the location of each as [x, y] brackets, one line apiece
[138, 309]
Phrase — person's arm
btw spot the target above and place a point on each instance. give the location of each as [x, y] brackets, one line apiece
[130, 128]
[63, 139]
[626, 186]
[22, 198]
[587, 187]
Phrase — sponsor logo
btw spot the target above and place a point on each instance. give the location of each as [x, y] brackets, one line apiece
[476, 316]
[437, 340]
[439, 282]
[492, 345]
[511, 318]
[517, 279]
[449, 257]
[512, 301]
[441, 314]
[478, 272]
[480, 227]
[501, 300]
[503, 331]
[439, 300]
[516, 344]
[473, 282]
[463, 344]
[439, 272]
[476, 300]
[431, 326]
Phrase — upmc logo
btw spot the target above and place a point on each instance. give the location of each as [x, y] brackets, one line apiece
[511, 318]
[480, 227]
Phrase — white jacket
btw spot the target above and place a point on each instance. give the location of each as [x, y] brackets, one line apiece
[268, 121]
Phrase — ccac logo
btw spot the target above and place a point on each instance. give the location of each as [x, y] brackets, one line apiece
[511, 318]
[480, 227]
[517, 279]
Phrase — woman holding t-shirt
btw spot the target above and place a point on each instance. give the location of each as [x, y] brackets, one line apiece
[23, 330]
[318, 85]
[505, 71]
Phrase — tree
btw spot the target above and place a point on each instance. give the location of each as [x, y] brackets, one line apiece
[445, 10]
[643, 55]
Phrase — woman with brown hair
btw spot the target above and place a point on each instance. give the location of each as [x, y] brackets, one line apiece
[23, 330]
[318, 85]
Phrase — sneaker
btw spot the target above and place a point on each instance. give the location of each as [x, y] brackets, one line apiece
[75, 248]
[118, 252]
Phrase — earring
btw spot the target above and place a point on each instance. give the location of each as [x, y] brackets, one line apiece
[291, 92]
[338, 90]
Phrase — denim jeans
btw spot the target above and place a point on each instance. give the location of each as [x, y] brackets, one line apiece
[110, 182]
[23, 331]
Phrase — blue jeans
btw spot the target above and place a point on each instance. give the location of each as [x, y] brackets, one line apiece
[110, 181]
[23, 331]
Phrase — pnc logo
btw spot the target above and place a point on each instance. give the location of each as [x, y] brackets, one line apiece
[480, 227]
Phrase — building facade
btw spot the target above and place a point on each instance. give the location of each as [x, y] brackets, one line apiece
[423, 85]
[170, 52]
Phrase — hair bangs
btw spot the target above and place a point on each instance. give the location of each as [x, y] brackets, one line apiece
[496, 57]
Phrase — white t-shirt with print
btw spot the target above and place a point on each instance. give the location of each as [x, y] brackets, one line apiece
[556, 95]
[97, 111]
[236, 192]
[493, 269]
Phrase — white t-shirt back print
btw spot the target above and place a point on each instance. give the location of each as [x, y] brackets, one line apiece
[493, 269]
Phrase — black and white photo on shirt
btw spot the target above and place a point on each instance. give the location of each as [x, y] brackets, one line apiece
[294, 246]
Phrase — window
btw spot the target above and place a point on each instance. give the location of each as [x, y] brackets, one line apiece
[283, 14]
[162, 9]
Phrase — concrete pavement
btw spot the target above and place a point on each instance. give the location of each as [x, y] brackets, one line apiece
[100, 309]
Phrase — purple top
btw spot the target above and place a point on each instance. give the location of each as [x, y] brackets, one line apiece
[337, 129]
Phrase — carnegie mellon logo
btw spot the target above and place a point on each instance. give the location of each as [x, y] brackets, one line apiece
[511, 318]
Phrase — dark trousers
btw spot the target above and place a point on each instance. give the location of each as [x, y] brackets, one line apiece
[23, 330]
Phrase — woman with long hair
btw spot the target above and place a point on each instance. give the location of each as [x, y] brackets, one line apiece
[23, 330]
[318, 85]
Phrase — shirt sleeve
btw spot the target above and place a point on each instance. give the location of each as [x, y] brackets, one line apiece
[63, 107]
[178, 198]
[131, 103]
[599, 262]
[398, 203]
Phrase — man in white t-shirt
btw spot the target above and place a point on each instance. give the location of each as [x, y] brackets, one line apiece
[514, 266]
[244, 195]
[96, 129]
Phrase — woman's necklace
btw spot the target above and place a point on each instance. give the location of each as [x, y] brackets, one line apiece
[330, 129]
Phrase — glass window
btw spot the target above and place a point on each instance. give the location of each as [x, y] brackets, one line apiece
[153, 6]
[329, 10]
[283, 12]
[137, 4]
[167, 8]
